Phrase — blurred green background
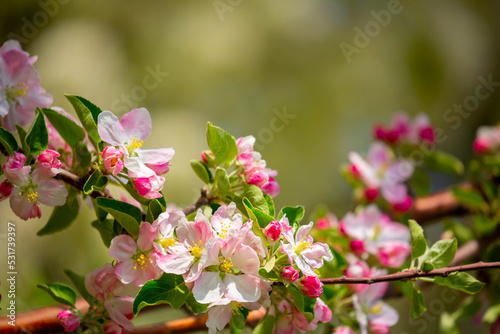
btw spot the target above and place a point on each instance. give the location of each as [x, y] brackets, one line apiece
[239, 64]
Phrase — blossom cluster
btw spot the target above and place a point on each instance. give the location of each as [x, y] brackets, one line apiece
[487, 139]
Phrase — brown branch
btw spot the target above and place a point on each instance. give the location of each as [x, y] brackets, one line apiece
[438, 205]
[201, 201]
[411, 274]
[78, 182]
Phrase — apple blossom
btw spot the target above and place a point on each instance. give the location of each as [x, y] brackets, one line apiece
[382, 171]
[301, 250]
[20, 91]
[112, 160]
[487, 139]
[149, 187]
[311, 286]
[136, 260]
[5, 189]
[129, 134]
[69, 320]
[273, 231]
[289, 319]
[32, 187]
[221, 311]
[402, 129]
[290, 274]
[374, 233]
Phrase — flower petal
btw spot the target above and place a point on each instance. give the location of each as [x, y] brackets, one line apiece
[110, 129]
[122, 247]
[242, 288]
[208, 288]
[136, 122]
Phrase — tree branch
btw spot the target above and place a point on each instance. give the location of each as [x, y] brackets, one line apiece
[201, 201]
[411, 274]
[78, 182]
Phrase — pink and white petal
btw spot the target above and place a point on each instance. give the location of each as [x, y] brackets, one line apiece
[147, 234]
[241, 288]
[137, 169]
[18, 176]
[137, 122]
[210, 254]
[315, 255]
[387, 316]
[126, 271]
[22, 207]
[288, 250]
[194, 273]
[110, 130]
[394, 192]
[367, 172]
[379, 155]
[399, 171]
[246, 260]
[52, 192]
[208, 288]
[304, 267]
[303, 232]
[122, 247]
[394, 231]
[157, 156]
[120, 310]
[150, 272]
[373, 291]
[219, 316]
[287, 230]
[177, 263]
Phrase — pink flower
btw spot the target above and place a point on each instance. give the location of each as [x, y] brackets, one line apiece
[149, 187]
[236, 277]
[136, 260]
[225, 222]
[301, 250]
[221, 311]
[358, 247]
[371, 311]
[382, 171]
[289, 319]
[290, 274]
[112, 327]
[129, 134]
[5, 189]
[20, 91]
[246, 155]
[389, 241]
[32, 188]
[273, 231]
[403, 129]
[48, 159]
[358, 268]
[69, 320]
[487, 139]
[112, 160]
[311, 286]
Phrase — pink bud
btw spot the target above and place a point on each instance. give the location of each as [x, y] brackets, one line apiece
[379, 132]
[49, 159]
[149, 187]
[322, 224]
[271, 188]
[357, 247]
[311, 286]
[16, 161]
[354, 171]
[207, 157]
[481, 146]
[69, 320]
[159, 169]
[371, 194]
[403, 206]
[392, 136]
[5, 189]
[112, 160]
[255, 175]
[273, 230]
[290, 274]
[427, 134]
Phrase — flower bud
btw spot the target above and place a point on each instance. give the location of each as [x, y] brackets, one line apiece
[5, 189]
[273, 231]
[49, 159]
[290, 274]
[112, 160]
[371, 194]
[404, 206]
[311, 286]
[357, 247]
[69, 320]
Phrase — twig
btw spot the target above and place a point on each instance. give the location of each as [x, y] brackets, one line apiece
[78, 182]
[410, 274]
[201, 201]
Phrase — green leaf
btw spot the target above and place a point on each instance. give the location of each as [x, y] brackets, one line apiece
[155, 208]
[222, 144]
[61, 217]
[265, 326]
[106, 230]
[222, 180]
[256, 215]
[269, 265]
[71, 132]
[82, 155]
[492, 314]
[61, 293]
[420, 182]
[417, 302]
[87, 113]
[444, 162]
[462, 232]
[270, 204]
[484, 225]
[128, 215]
[418, 243]
[469, 197]
[8, 141]
[238, 320]
[256, 197]
[293, 213]
[22, 136]
[442, 253]
[303, 303]
[95, 182]
[169, 288]
[38, 137]
[201, 170]
[460, 281]
[194, 306]
[79, 283]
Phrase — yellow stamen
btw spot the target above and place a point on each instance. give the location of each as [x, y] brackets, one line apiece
[142, 262]
[302, 246]
[376, 309]
[134, 143]
[226, 265]
[33, 197]
[196, 250]
[20, 90]
[225, 226]
[167, 242]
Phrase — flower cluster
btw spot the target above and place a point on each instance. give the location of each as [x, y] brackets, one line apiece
[402, 129]
[28, 187]
[487, 139]
[126, 137]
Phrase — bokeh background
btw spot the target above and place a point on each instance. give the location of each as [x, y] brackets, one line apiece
[239, 64]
